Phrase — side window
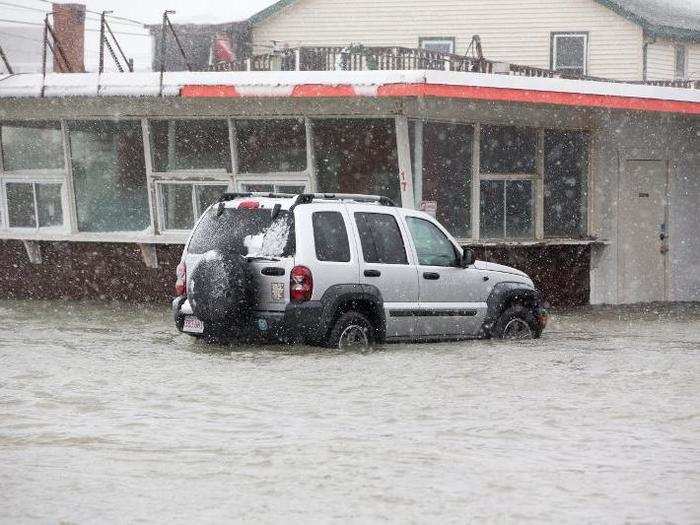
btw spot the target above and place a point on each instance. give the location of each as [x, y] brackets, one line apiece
[330, 236]
[381, 238]
[432, 247]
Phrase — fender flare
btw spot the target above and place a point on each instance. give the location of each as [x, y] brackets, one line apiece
[341, 296]
[501, 296]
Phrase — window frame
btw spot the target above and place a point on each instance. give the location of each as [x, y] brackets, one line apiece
[160, 196]
[684, 49]
[347, 237]
[450, 40]
[61, 176]
[553, 36]
[457, 252]
[403, 236]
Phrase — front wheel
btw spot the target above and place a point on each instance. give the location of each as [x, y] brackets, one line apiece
[516, 322]
[351, 330]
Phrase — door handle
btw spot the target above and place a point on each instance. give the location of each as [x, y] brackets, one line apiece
[272, 270]
[372, 273]
[431, 276]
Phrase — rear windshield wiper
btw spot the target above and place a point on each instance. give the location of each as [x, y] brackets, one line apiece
[261, 258]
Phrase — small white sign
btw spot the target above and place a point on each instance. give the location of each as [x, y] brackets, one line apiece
[429, 207]
[277, 292]
[193, 325]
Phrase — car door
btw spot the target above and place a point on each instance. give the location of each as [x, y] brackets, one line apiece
[452, 299]
[385, 264]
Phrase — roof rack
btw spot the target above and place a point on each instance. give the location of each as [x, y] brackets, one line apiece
[239, 195]
[306, 198]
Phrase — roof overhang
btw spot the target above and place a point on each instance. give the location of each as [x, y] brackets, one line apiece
[345, 84]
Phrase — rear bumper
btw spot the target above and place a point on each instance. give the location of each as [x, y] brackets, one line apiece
[303, 322]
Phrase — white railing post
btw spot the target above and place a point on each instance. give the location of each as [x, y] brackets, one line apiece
[297, 59]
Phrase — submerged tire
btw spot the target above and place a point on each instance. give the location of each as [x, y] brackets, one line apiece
[220, 290]
[351, 330]
[516, 322]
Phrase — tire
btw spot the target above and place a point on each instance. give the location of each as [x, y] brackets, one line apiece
[516, 322]
[347, 328]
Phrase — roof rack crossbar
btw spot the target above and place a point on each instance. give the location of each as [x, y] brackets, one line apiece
[380, 199]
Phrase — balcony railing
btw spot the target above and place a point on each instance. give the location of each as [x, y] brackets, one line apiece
[361, 58]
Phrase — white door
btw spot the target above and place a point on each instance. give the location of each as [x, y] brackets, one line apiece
[452, 298]
[643, 232]
[384, 264]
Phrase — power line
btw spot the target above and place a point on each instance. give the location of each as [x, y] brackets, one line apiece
[137, 22]
[86, 29]
[17, 6]
[22, 37]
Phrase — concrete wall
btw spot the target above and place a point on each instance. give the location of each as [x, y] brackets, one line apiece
[623, 136]
[510, 30]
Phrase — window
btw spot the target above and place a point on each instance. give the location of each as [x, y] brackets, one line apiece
[569, 53]
[32, 182]
[380, 238]
[508, 157]
[441, 45]
[507, 150]
[182, 204]
[32, 146]
[269, 146]
[109, 175]
[432, 246]
[506, 209]
[190, 145]
[565, 183]
[445, 162]
[681, 63]
[357, 156]
[34, 205]
[330, 236]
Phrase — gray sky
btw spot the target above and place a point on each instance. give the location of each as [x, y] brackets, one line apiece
[27, 38]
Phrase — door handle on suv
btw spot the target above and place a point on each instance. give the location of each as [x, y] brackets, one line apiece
[372, 273]
[431, 276]
[272, 270]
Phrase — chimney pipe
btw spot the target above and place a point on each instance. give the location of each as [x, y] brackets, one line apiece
[69, 26]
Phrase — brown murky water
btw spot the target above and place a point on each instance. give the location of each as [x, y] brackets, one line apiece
[106, 414]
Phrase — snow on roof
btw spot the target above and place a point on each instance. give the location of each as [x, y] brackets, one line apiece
[347, 84]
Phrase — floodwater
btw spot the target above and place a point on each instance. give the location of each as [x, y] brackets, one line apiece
[108, 415]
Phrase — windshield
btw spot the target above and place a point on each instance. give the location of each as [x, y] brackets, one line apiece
[244, 232]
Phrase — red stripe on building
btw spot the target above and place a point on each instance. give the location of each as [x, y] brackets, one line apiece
[469, 92]
[320, 90]
[538, 97]
[208, 91]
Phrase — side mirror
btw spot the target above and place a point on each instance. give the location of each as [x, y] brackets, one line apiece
[467, 258]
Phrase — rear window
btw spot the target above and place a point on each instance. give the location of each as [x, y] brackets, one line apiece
[330, 236]
[244, 232]
[381, 238]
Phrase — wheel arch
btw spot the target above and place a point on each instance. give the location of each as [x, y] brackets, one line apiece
[503, 296]
[364, 299]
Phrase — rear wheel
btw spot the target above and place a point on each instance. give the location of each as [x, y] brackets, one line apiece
[516, 322]
[351, 330]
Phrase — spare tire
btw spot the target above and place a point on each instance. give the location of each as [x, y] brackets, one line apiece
[219, 291]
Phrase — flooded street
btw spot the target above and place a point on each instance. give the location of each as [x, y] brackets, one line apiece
[107, 414]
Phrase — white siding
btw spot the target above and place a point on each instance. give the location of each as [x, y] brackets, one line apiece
[510, 30]
[661, 60]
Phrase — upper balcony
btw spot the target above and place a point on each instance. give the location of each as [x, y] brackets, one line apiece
[362, 58]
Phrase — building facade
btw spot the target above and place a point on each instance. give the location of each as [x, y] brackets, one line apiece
[591, 187]
[623, 39]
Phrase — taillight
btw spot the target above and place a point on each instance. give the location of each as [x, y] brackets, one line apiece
[301, 284]
[181, 283]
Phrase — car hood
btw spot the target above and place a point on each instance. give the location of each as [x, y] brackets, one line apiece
[493, 267]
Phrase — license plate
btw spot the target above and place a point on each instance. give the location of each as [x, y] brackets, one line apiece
[193, 325]
[277, 292]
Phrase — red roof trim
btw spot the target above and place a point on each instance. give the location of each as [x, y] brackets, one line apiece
[467, 92]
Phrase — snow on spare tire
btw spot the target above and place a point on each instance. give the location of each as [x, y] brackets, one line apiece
[219, 285]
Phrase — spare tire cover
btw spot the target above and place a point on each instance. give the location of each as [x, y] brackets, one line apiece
[219, 289]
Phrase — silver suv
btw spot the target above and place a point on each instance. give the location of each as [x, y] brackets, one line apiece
[341, 270]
